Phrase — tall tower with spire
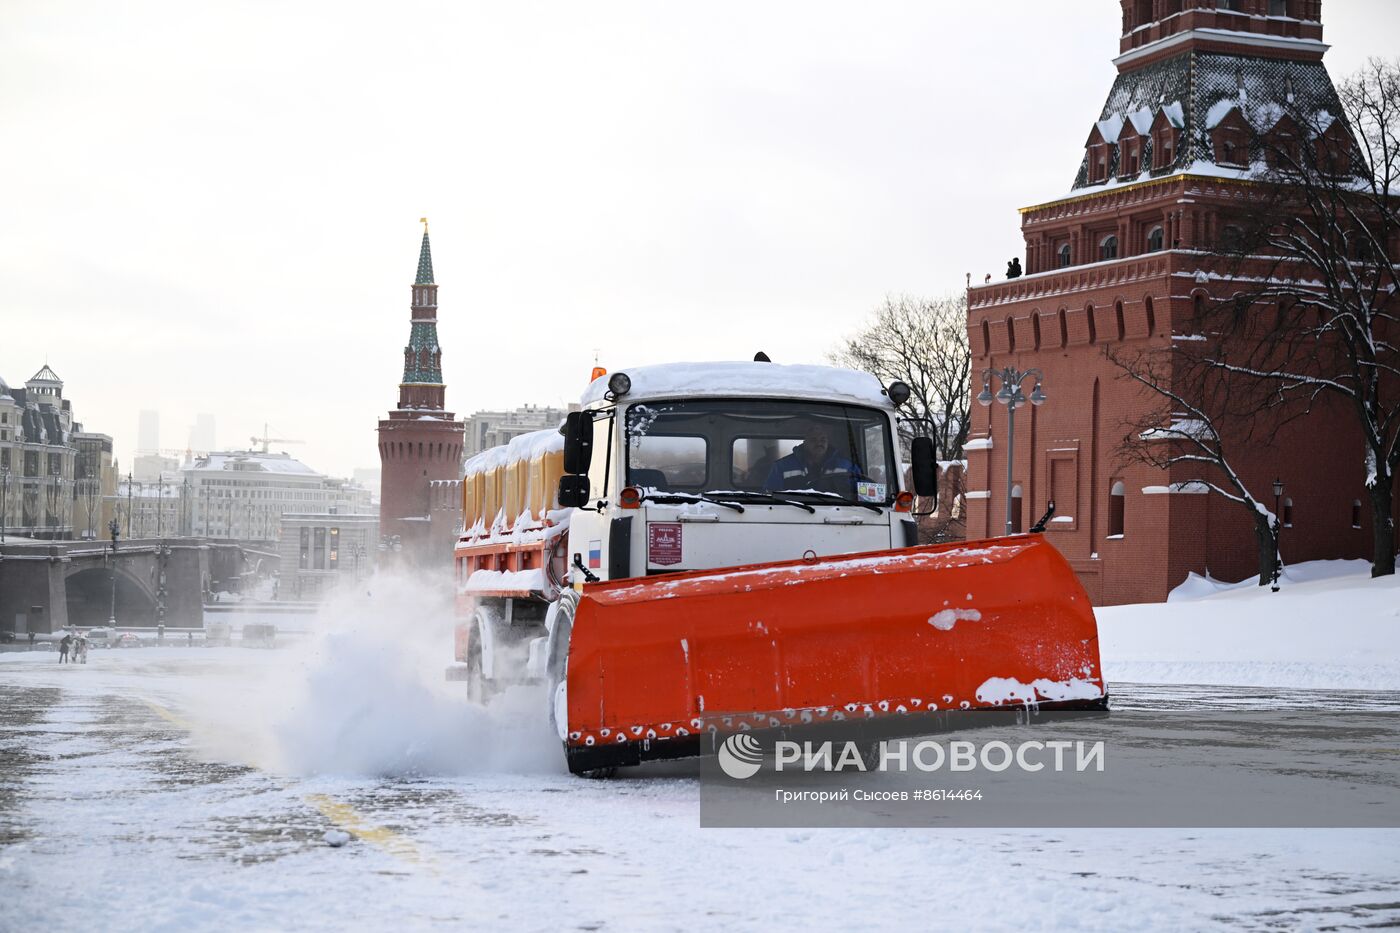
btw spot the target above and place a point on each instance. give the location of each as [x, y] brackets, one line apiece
[420, 442]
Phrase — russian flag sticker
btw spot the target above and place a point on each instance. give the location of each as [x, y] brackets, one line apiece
[595, 554]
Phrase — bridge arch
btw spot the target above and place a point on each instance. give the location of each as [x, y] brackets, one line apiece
[89, 598]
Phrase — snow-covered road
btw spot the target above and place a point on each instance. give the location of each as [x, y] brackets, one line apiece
[142, 792]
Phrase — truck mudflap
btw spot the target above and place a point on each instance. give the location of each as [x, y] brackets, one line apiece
[880, 644]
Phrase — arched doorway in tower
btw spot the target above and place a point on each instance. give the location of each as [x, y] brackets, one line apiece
[1016, 502]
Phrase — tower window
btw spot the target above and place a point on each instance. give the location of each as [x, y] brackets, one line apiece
[1288, 513]
[1116, 500]
[1108, 248]
[1154, 240]
[1016, 505]
[1064, 256]
[1278, 7]
[1356, 513]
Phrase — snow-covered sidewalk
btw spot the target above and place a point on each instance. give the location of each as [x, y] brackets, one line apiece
[1330, 626]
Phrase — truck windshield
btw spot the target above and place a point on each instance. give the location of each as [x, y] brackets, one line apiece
[761, 445]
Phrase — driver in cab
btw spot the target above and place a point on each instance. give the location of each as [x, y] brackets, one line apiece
[814, 464]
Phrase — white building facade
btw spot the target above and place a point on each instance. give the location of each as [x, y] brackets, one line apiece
[487, 429]
[243, 494]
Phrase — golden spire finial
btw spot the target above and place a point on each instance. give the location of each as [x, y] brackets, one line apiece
[424, 222]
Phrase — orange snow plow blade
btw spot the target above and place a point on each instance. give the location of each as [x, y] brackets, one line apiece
[894, 640]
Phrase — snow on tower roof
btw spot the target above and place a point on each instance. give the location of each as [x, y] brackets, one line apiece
[1198, 90]
[1142, 120]
[1110, 127]
[692, 380]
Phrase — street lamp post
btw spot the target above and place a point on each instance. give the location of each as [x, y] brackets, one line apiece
[162, 558]
[115, 529]
[1278, 527]
[4, 500]
[1013, 398]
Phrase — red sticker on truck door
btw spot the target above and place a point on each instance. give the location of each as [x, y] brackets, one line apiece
[664, 543]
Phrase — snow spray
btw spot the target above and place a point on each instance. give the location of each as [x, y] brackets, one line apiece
[365, 695]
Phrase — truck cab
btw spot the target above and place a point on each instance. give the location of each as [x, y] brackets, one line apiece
[700, 466]
[666, 469]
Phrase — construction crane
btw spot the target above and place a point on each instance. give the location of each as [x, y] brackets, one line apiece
[265, 440]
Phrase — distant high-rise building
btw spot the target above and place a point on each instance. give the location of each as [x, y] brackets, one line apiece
[202, 433]
[148, 432]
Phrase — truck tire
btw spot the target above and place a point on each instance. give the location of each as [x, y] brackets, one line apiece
[557, 660]
[480, 688]
[558, 669]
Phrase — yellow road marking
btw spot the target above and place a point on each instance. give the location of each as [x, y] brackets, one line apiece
[350, 820]
[341, 814]
[167, 715]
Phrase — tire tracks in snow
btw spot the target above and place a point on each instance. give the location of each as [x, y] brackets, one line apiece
[339, 813]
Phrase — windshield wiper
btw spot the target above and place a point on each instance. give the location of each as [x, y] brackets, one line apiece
[832, 495]
[670, 498]
[749, 495]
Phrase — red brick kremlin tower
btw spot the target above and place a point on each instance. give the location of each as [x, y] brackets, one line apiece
[1121, 260]
[420, 443]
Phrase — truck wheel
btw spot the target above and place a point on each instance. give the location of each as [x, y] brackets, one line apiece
[479, 689]
[557, 662]
[591, 774]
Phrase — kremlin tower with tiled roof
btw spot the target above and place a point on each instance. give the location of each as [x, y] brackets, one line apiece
[420, 443]
[1122, 260]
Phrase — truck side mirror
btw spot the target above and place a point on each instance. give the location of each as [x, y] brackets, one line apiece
[573, 491]
[925, 467]
[578, 442]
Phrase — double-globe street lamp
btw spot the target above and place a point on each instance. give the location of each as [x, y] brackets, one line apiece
[1012, 396]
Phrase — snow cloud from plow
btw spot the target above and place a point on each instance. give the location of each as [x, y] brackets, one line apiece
[365, 695]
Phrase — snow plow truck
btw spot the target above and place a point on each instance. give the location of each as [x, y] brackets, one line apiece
[703, 549]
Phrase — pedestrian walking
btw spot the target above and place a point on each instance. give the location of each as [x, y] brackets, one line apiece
[82, 649]
[63, 648]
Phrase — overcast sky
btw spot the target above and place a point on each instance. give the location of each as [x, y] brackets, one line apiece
[212, 206]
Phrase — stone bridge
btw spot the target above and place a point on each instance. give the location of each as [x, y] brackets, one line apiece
[45, 586]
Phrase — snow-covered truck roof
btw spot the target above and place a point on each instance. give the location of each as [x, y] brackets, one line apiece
[773, 380]
[521, 447]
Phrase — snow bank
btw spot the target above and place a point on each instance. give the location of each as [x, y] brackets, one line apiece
[1329, 626]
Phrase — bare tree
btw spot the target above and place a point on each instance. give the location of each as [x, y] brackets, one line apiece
[1183, 435]
[1313, 252]
[922, 343]
[90, 495]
